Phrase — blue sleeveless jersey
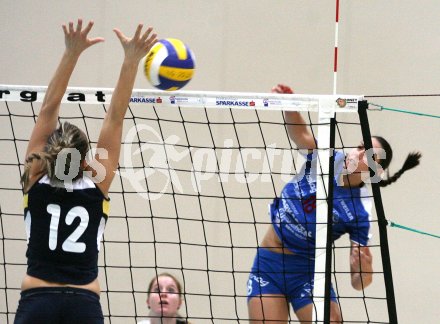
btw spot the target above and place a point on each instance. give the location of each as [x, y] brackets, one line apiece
[64, 228]
[293, 214]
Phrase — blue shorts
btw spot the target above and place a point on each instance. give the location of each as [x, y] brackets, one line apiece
[59, 305]
[290, 275]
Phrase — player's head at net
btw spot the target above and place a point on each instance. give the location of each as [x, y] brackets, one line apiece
[165, 298]
[381, 155]
[66, 148]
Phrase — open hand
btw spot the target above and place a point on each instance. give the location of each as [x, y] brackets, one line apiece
[138, 46]
[282, 88]
[76, 39]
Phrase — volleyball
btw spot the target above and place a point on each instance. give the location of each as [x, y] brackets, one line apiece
[169, 65]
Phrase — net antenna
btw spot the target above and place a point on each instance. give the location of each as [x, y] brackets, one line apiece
[335, 58]
[191, 203]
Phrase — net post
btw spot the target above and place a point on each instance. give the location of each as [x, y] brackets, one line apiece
[322, 257]
[329, 251]
[382, 222]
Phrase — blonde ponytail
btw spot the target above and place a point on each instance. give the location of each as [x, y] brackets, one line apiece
[65, 136]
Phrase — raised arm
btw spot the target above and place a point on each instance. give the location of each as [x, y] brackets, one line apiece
[361, 266]
[76, 40]
[135, 49]
[297, 128]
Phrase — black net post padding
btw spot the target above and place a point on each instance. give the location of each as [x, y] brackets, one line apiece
[328, 247]
[382, 222]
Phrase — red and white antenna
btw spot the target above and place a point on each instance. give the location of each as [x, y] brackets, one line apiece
[335, 64]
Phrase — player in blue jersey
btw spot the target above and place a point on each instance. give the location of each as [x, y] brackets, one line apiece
[283, 268]
[65, 220]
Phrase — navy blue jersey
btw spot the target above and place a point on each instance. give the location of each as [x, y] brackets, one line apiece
[64, 229]
[294, 212]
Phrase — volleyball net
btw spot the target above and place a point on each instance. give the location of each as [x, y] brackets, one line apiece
[190, 197]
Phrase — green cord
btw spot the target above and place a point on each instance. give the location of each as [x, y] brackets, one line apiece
[404, 111]
[392, 224]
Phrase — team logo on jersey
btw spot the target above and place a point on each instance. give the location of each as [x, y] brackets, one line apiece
[259, 280]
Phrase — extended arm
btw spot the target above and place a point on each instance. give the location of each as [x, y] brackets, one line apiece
[135, 49]
[297, 128]
[76, 41]
[361, 266]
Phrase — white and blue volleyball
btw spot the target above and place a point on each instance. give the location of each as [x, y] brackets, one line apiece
[169, 65]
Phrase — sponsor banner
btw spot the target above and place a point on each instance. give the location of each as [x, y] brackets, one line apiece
[338, 103]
